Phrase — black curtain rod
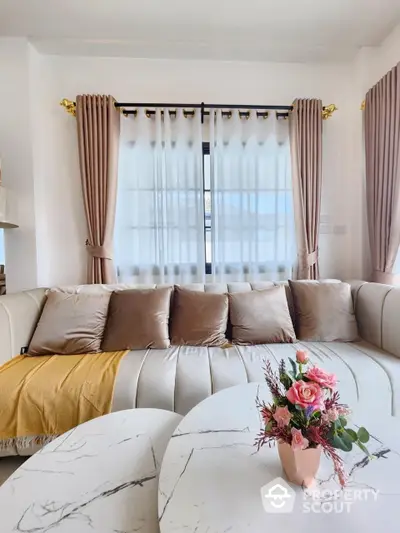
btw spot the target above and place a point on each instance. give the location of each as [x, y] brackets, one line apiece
[207, 106]
[190, 112]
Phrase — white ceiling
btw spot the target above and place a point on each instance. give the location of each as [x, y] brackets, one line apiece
[259, 30]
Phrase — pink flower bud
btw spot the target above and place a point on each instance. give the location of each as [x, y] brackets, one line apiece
[302, 357]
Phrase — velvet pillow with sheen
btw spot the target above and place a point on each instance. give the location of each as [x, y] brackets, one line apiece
[138, 319]
[199, 318]
[70, 324]
[324, 311]
[261, 317]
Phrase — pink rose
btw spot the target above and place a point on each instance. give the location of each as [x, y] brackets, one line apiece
[324, 379]
[302, 357]
[305, 394]
[298, 441]
[282, 416]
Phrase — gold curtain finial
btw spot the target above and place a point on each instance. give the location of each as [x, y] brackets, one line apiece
[69, 106]
[328, 111]
[362, 107]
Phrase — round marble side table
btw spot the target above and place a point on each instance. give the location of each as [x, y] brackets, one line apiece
[100, 477]
[213, 479]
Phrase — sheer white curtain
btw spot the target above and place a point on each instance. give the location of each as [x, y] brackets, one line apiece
[1, 247]
[252, 226]
[159, 229]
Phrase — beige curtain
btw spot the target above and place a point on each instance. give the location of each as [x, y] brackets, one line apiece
[382, 151]
[98, 136]
[305, 122]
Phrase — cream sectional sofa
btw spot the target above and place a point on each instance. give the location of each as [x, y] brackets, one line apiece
[178, 378]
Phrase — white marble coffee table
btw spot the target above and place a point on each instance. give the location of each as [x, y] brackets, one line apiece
[211, 476]
[100, 477]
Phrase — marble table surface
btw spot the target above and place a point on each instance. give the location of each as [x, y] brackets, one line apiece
[100, 477]
[212, 477]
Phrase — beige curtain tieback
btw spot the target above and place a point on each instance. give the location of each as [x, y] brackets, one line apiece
[103, 252]
[384, 277]
[308, 259]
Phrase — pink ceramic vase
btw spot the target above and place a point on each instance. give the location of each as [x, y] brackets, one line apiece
[300, 466]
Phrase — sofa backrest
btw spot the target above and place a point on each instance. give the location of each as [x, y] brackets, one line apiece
[216, 288]
[377, 309]
[19, 314]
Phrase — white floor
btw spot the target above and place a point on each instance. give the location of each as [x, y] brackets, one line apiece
[8, 465]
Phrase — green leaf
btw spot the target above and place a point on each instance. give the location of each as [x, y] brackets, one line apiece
[347, 440]
[337, 441]
[337, 425]
[294, 367]
[329, 438]
[286, 381]
[341, 444]
[363, 435]
[352, 434]
[343, 421]
[363, 448]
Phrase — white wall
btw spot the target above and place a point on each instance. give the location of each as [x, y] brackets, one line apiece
[371, 64]
[388, 54]
[63, 232]
[17, 161]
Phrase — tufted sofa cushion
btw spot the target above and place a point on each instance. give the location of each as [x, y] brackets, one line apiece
[180, 377]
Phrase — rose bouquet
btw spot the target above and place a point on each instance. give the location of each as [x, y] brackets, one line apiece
[306, 414]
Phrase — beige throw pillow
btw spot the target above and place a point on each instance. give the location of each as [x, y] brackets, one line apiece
[199, 318]
[137, 319]
[70, 324]
[324, 311]
[261, 317]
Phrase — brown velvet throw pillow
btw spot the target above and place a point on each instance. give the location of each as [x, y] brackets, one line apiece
[137, 320]
[70, 324]
[199, 318]
[324, 311]
[261, 317]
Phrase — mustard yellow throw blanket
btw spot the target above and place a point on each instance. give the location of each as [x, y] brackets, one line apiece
[43, 397]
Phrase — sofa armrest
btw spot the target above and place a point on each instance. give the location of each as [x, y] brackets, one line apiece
[377, 309]
[19, 314]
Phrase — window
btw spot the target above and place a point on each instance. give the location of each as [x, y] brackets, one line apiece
[189, 209]
[266, 211]
[159, 229]
[249, 220]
